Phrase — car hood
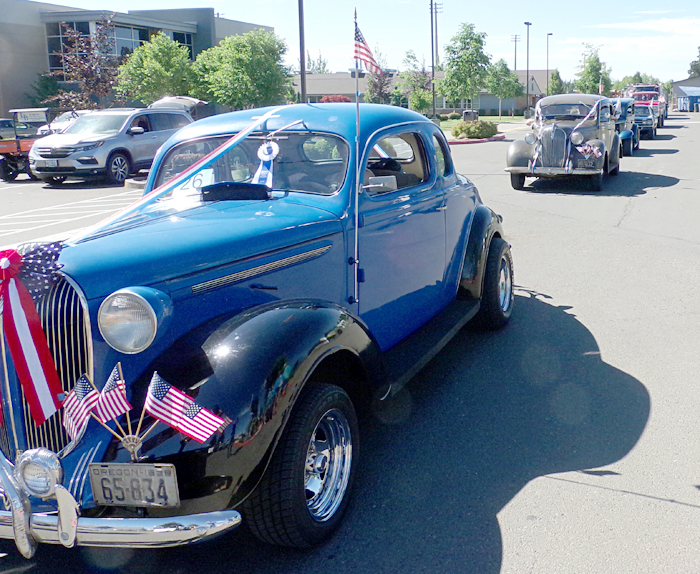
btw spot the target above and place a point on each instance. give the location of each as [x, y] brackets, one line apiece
[65, 140]
[190, 243]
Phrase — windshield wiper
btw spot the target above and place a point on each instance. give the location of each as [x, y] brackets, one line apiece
[235, 191]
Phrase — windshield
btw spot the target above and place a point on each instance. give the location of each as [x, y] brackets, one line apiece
[642, 111]
[102, 124]
[566, 111]
[645, 97]
[306, 162]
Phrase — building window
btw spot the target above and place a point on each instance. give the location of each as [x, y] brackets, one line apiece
[181, 38]
[58, 42]
[128, 38]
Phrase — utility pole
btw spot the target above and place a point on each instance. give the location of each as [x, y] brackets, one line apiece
[515, 39]
[548, 35]
[527, 73]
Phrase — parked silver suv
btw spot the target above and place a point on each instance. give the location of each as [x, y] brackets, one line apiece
[112, 143]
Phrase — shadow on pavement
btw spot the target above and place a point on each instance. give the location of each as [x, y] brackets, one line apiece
[626, 184]
[491, 413]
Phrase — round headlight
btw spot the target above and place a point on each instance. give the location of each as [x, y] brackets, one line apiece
[127, 322]
[38, 471]
[530, 138]
[577, 138]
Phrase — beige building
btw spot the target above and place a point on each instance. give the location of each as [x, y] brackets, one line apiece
[31, 35]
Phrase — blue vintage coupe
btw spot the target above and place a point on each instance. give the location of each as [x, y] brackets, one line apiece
[283, 269]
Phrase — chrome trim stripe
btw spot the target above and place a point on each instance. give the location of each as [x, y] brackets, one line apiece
[86, 471]
[248, 273]
[81, 472]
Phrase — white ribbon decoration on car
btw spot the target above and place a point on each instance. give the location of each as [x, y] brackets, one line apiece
[267, 153]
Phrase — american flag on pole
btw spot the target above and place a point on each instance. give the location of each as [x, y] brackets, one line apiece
[112, 401]
[166, 403]
[199, 423]
[364, 54]
[78, 405]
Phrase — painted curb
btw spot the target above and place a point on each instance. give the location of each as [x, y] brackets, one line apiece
[473, 141]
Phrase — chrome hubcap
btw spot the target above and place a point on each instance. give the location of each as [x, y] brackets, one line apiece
[120, 168]
[328, 463]
[505, 285]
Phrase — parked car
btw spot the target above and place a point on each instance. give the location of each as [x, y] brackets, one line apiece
[61, 122]
[573, 134]
[653, 100]
[112, 143]
[254, 301]
[625, 126]
[646, 119]
[9, 129]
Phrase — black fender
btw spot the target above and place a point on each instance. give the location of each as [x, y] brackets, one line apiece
[485, 225]
[614, 158]
[519, 154]
[257, 364]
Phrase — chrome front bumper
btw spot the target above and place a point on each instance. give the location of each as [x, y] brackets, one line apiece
[67, 527]
[552, 171]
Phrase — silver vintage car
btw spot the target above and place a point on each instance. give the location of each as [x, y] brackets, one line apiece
[573, 134]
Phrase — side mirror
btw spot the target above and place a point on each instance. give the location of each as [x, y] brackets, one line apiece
[135, 131]
[382, 183]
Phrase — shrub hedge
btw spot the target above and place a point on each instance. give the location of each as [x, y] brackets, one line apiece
[477, 129]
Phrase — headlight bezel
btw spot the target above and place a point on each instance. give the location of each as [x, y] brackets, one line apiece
[530, 138]
[577, 138]
[45, 460]
[156, 305]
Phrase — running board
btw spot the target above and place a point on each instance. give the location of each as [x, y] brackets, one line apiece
[404, 360]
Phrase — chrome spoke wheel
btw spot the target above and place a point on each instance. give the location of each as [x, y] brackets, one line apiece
[328, 464]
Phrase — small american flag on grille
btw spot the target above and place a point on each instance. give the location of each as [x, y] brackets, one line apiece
[78, 405]
[112, 402]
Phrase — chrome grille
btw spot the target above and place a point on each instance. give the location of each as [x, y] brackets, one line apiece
[58, 152]
[552, 147]
[63, 319]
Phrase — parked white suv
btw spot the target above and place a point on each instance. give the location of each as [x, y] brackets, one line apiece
[112, 143]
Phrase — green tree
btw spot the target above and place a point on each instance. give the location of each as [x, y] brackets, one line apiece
[591, 71]
[90, 63]
[503, 83]
[636, 78]
[556, 85]
[155, 69]
[319, 66]
[694, 70]
[415, 83]
[379, 88]
[43, 89]
[243, 71]
[466, 65]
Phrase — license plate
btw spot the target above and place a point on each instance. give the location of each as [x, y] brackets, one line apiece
[51, 163]
[586, 163]
[125, 484]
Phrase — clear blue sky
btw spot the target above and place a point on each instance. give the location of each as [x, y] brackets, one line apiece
[636, 36]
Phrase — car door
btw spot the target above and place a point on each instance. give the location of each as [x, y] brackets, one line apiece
[401, 237]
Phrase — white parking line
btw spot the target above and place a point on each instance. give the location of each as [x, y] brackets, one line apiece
[44, 218]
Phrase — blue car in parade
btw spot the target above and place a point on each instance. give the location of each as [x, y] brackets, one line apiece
[200, 358]
[625, 126]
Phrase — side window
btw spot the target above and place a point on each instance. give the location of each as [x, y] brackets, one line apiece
[178, 121]
[141, 122]
[443, 157]
[160, 122]
[401, 156]
[605, 113]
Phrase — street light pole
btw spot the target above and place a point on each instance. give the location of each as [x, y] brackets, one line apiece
[302, 50]
[527, 72]
[548, 35]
